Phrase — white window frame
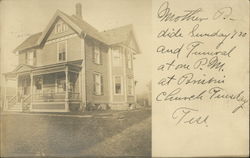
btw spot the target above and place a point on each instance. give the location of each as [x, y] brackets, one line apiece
[61, 27]
[58, 27]
[30, 54]
[65, 27]
[97, 60]
[122, 89]
[66, 50]
[115, 63]
[100, 83]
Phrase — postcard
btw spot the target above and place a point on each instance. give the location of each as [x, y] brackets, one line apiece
[124, 78]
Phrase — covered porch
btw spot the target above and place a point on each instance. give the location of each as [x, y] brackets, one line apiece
[53, 88]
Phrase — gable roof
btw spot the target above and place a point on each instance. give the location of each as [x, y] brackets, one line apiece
[117, 35]
[109, 37]
[87, 28]
[29, 42]
[121, 35]
[23, 67]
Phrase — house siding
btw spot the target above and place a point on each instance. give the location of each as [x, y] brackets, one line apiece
[129, 74]
[48, 54]
[96, 68]
[118, 71]
[21, 58]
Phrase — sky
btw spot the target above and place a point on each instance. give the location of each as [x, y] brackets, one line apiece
[21, 18]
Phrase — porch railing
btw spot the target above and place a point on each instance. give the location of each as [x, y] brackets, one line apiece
[11, 101]
[55, 97]
[26, 102]
[74, 96]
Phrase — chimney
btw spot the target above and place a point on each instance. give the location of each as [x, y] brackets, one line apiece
[79, 10]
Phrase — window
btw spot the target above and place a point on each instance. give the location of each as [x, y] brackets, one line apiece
[98, 84]
[117, 59]
[58, 28]
[61, 51]
[97, 55]
[61, 27]
[64, 27]
[118, 85]
[130, 86]
[31, 58]
[129, 60]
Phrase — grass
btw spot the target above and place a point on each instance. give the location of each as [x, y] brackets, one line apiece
[60, 136]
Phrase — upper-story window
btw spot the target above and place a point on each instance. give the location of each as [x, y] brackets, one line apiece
[31, 58]
[61, 27]
[62, 50]
[97, 55]
[129, 55]
[117, 57]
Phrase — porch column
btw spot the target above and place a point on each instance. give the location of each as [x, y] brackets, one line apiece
[67, 90]
[31, 88]
[17, 79]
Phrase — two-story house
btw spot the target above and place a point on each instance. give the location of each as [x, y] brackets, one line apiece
[71, 65]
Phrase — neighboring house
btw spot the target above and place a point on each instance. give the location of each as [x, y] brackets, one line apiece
[70, 66]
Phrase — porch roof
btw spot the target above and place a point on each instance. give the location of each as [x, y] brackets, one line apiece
[73, 66]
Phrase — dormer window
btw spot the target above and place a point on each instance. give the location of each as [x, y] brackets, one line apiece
[61, 27]
[61, 51]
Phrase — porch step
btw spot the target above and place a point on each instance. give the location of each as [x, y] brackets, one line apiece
[15, 108]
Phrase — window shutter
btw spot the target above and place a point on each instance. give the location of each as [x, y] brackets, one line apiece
[94, 85]
[26, 58]
[93, 53]
[34, 58]
[102, 91]
[100, 54]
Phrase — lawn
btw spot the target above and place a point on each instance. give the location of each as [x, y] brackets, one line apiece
[111, 133]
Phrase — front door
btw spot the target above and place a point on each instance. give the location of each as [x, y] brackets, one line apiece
[23, 88]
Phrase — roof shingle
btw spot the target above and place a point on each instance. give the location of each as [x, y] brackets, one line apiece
[109, 37]
[31, 41]
[117, 35]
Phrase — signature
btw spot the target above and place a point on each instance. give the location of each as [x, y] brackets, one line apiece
[189, 116]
